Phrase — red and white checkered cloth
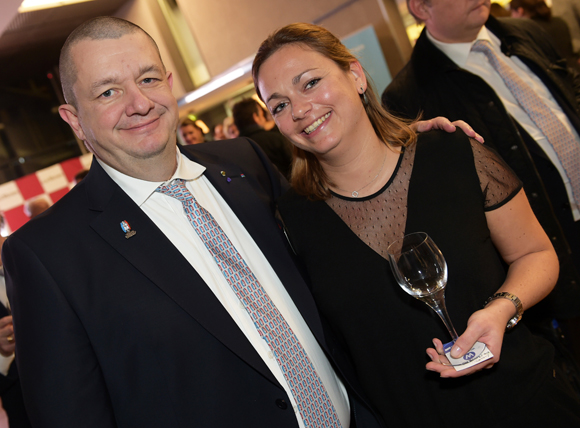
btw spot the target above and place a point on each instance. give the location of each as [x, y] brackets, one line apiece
[53, 182]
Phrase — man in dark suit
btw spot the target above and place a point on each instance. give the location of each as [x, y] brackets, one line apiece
[446, 77]
[10, 390]
[250, 120]
[122, 315]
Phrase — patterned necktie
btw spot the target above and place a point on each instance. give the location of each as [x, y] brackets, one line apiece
[566, 147]
[310, 394]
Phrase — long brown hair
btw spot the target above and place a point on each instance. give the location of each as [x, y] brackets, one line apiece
[308, 178]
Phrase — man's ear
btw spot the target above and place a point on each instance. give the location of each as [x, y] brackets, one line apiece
[69, 114]
[359, 76]
[169, 76]
[419, 9]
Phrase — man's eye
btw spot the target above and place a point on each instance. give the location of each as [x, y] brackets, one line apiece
[149, 80]
[107, 93]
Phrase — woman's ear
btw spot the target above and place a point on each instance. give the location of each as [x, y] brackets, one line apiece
[359, 76]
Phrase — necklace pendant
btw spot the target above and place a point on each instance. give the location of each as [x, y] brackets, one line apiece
[355, 194]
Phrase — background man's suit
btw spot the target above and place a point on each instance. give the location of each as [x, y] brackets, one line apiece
[129, 327]
[11, 392]
[433, 84]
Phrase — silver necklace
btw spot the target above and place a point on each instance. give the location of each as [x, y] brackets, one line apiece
[355, 193]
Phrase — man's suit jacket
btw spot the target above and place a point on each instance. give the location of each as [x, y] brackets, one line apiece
[123, 332]
[432, 84]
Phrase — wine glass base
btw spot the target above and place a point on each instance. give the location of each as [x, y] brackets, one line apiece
[477, 354]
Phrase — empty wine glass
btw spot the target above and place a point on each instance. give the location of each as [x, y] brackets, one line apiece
[420, 269]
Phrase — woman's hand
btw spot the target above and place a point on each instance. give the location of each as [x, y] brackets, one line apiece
[486, 326]
[532, 273]
[446, 125]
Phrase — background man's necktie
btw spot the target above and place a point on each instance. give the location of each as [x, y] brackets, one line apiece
[566, 147]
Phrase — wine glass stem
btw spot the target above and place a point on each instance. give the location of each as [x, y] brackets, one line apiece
[437, 303]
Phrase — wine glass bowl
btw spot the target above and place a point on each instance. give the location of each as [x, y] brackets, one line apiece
[421, 270]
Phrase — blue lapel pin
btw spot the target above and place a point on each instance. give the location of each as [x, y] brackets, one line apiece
[127, 229]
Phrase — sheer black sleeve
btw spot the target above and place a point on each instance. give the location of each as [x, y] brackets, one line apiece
[499, 183]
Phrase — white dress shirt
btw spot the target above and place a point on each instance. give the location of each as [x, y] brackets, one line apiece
[477, 63]
[167, 213]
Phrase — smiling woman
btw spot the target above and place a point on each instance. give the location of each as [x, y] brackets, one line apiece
[363, 179]
[305, 81]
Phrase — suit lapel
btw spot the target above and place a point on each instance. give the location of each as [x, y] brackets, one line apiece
[152, 254]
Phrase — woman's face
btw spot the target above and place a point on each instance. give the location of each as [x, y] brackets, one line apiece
[315, 104]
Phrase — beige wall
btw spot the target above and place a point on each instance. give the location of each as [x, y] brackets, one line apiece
[229, 31]
[142, 13]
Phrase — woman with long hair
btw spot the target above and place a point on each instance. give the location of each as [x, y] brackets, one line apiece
[361, 180]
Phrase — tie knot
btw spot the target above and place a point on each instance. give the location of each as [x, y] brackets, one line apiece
[176, 189]
[481, 46]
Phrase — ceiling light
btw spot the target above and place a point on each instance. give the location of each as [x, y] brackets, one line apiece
[32, 5]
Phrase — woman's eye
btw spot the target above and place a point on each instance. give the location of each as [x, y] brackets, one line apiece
[311, 83]
[279, 108]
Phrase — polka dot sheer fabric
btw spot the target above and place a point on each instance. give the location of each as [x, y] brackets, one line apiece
[380, 219]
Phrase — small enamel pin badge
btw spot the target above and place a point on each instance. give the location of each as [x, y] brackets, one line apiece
[127, 229]
[229, 179]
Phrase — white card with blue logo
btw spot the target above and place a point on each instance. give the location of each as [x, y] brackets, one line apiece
[479, 353]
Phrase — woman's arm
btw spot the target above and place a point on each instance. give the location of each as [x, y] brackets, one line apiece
[532, 273]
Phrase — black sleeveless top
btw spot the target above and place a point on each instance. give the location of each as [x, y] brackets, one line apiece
[385, 332]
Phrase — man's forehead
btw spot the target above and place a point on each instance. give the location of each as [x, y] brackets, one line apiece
[133, 40]
[102, 55]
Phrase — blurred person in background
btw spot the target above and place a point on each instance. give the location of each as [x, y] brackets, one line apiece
[36, 206]
[569, 11]
[80, 175]
[269, 123]
[555, 27]
[10, 389]
[218, 132]
[230, 128]
[499, 11]
[191, 132]
[250, 120]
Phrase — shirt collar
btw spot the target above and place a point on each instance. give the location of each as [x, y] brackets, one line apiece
[140, 190]
[458, 52]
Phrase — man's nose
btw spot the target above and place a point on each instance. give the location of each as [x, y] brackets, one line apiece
[138, 102]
